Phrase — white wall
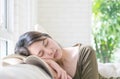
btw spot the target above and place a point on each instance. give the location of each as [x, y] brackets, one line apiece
[25, 12]
[68, 21]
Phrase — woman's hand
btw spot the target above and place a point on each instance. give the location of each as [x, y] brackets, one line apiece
[60, 72]
[69, 77]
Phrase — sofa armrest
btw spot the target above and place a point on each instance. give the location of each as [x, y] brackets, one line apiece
[23, 71]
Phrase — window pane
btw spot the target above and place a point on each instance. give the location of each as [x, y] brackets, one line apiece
[3, 14]
[3, 48]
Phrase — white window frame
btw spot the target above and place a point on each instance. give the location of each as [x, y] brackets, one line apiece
[7, 28]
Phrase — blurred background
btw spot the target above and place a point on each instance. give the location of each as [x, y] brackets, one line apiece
[93, 22]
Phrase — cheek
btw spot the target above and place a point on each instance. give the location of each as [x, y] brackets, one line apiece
[33, 51]
[59, 54]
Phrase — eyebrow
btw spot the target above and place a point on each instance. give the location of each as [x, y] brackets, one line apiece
[44, 41]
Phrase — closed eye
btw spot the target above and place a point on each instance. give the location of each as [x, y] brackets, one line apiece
[45, 42]
[40, 54]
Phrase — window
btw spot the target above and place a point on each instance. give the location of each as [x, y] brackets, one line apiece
[3, 47]
[6, 27]
[106, 29]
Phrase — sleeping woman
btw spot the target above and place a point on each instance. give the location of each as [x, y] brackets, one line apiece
[76, 62]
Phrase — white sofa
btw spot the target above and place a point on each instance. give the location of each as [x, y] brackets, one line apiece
[19, 67]
[106, 70]
[23, 71]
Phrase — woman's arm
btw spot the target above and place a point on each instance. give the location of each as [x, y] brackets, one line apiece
[58, 72]
[87, 64]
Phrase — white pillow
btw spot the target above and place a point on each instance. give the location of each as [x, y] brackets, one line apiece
[107, 70]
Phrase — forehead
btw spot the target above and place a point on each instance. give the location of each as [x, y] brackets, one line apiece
[37, 43]
[35, 47]
[35, 39]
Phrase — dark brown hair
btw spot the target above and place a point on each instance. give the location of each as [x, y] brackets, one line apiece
[26, 40]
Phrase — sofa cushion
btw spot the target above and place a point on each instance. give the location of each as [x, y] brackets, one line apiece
[16, 59]
[109, 70]
[23, 71]
[13, 59]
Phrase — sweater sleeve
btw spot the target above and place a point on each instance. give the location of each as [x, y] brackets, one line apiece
[87, 65]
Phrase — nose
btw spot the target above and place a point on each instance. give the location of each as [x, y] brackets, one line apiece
[49, 52]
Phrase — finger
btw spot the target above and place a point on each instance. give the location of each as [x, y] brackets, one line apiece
[54, 66]
[58, 74]
[64, 75]
[69, 77]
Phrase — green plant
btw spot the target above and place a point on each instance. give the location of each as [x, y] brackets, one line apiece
[106, 28]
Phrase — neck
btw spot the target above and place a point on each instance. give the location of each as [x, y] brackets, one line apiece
[63, 58]
[68, 53]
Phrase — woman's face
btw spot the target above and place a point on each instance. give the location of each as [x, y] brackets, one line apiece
[47, 48]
